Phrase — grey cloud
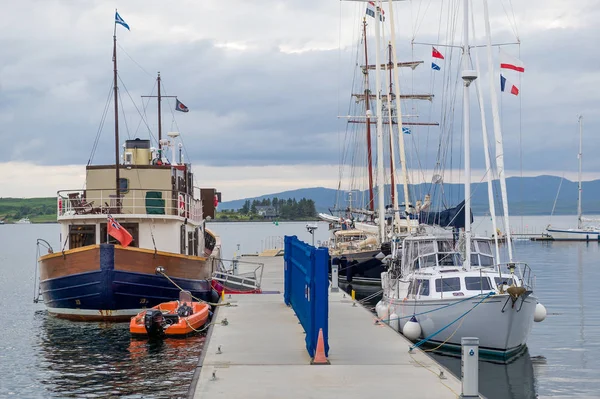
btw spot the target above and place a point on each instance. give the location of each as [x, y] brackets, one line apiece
[262, 106]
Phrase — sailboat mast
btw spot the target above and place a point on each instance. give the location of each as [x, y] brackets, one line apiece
[380, 174]
[115, 89]
[488, 163]
[468, 76]
[393, 188]
[399, 113]
[159, 114]
[580, 156]
[368, 108]
[497, 130]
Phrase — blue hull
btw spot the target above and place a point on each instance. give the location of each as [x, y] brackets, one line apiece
[109, 294]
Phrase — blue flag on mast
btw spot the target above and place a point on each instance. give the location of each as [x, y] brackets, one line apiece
[435, 66]
[120, 21]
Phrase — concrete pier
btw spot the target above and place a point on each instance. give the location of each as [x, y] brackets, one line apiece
[260, 352]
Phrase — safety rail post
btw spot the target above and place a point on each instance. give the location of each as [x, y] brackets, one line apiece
[306, 285]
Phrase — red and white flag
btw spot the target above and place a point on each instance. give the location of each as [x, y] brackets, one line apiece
[507, 61]
[436, 54]
[118, 232]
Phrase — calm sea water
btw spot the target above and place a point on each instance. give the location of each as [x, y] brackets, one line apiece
[43, 357]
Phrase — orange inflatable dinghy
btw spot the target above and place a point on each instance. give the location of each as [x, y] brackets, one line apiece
[174, 318]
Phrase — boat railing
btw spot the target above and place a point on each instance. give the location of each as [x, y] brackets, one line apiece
[522, 270]
[227, 273]
[132, 201]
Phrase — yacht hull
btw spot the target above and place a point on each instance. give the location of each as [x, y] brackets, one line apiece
[361, 272]
[109, 282]
[501, 325]
[574, 234]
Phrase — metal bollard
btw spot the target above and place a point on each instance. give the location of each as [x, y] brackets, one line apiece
[334, 278]
[470, 367]
[235, 266]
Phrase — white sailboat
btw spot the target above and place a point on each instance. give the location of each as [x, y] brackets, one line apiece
[582, 232]
[438, 290]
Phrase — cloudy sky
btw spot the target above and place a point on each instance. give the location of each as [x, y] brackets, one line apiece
[265, 82]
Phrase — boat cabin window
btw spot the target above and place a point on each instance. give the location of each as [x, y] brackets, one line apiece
[478, 283]
[132, 228]
[193, 242]
[81, 235]
[418, 287]
[447, 284]
[481, 253]
[422, 254]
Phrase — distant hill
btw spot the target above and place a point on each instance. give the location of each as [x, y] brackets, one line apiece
[36, 209]
[526, 196]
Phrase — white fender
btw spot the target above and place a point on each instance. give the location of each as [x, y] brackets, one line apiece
[412, 329]
[540, 313]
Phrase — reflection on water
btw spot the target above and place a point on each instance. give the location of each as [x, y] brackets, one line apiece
[500, 380]
[101, 359]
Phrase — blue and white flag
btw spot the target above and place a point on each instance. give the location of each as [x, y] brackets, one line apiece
[120, 21]
[435, 66]
[406, 130]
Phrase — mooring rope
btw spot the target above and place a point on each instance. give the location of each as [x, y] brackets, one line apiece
[198, 299]
[421, 342]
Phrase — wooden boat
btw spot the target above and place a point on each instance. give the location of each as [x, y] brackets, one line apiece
[173, 318]
[149, 196]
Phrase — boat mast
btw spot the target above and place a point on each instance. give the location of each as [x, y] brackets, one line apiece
[468, 77]
[380, 174]
[393, 188]
[488, 163]
[368, 109]
[580, 156]
[390, 94]
[159, 117]
[115, 89]
[497, 130]
[399, 114]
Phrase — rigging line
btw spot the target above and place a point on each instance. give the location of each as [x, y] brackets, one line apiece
[136, 108]
[134, 61]
[422, 19]
[144, 108]
[556, 198]
[513, 25]
[101, 126]
[124, 118]
[512, 9]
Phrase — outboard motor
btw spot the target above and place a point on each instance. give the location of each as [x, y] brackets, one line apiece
[185, 310]
[154, 323]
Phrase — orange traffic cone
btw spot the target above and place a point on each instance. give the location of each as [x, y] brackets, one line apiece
[320, 357]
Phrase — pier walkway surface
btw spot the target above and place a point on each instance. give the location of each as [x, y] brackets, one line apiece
[263, 352]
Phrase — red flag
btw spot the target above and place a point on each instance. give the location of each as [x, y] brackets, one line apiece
[216, 200]
[436, 54]
[118, 232]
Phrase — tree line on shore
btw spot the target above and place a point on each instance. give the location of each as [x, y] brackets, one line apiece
[285, 209]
